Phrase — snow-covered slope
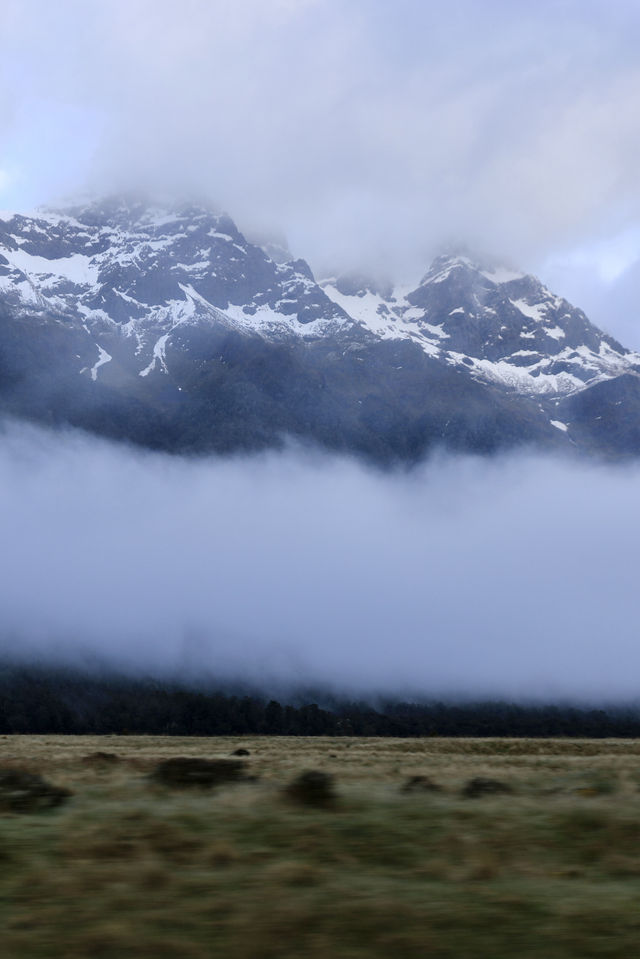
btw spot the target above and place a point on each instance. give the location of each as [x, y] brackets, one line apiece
[505, 327]
[130, 274]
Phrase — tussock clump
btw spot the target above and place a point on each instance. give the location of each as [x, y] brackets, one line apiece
[419, 784]
[223, 854]
[312, 788]
[598, 783]
[101, 759]
[185, 772]
[292, 873]
[25, 792]
[481, 786]
[586, 784]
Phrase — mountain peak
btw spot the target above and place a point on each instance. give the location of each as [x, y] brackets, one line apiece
[500, 325]
[128, 210]
[358, 283]
[489, 268]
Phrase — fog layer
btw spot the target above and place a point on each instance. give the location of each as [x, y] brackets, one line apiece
[514, 577]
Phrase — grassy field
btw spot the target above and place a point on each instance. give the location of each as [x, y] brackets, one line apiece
[127, 868]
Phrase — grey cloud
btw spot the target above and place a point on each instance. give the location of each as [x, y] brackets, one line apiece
[513, 577]
[613, 304]
[367, 132]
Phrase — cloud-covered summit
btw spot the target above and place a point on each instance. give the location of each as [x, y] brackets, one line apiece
[365, 132]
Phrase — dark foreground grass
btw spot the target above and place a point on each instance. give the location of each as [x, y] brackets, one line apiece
[129, 869]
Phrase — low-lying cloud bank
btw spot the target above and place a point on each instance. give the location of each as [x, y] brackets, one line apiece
[515, 577]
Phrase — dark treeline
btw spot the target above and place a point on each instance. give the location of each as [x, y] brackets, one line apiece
[39, 700]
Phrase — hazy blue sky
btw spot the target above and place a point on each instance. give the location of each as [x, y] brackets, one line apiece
[368, 131]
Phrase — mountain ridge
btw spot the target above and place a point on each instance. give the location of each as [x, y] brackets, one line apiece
[122, 311]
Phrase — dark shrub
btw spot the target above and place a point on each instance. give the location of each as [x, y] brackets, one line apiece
[312, 788]
[26, 792]
[418, 784]
[241, 752]
[480, 786]
[101, 759]
[186, 772]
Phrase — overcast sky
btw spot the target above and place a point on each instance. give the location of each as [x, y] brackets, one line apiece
[370, 132]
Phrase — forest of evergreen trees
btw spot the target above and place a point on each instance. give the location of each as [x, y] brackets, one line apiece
[41, 700]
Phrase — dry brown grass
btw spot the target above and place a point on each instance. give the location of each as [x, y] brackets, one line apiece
[130, 869]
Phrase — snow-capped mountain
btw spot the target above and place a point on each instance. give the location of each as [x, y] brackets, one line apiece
[504, 326]
[165, 325]
[130, 275]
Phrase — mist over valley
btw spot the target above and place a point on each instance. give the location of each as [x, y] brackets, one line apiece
[510, 577]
